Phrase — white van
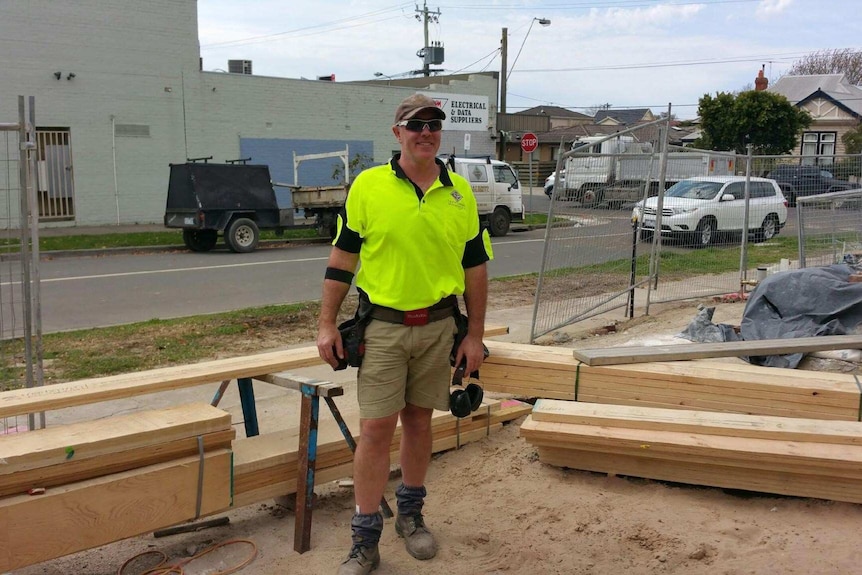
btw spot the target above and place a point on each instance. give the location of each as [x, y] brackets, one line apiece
[497, 190]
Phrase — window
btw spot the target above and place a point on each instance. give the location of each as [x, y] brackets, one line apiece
[818, 148]
[737, 189]
[504, 175]
[761, 190]
[477, 173]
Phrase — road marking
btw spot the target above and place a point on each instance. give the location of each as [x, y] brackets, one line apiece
[204, 268]
[172, 270]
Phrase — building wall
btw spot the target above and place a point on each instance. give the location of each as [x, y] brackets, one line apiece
[136, 65]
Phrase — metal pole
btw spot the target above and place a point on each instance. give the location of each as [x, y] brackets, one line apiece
[24, 238]
[530, 198]
[743, 253]
[503, 49]
[32, 187]
[655, 254]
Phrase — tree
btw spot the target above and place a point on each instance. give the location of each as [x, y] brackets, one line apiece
[853, 140]
[764, 119]
[841, 61]
[357, 163]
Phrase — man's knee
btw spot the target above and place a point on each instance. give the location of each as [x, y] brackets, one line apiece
[415, 419]
[378, 431]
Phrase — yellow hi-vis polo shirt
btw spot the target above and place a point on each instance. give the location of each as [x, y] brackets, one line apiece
[412, 248]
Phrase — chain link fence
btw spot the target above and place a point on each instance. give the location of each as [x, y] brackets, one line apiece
[830, 228]
[20, 315]
[723, 221]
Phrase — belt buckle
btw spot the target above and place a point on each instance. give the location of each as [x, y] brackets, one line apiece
[416, 317]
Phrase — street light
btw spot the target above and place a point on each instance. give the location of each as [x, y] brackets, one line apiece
[504, 74]
[388, 78]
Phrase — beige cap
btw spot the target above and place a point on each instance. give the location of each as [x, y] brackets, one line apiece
[414, 104]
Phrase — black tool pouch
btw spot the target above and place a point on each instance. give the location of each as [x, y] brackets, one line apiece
[353, 334]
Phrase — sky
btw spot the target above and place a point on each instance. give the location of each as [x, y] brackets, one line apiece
[622, 53]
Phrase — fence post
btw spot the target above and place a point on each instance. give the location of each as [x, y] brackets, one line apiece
[743, 252]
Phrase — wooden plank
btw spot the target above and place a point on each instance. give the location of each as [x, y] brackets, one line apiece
[729, 424]
[74, 442]
[684, 446]
[833, 488]
[640, 354]
[83, 392]
[761, 403]
[98, 511]
[81, 469]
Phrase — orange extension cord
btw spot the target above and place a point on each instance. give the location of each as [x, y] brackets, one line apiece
[177, 569]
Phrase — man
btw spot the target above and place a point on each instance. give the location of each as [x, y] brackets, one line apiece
[415, 228]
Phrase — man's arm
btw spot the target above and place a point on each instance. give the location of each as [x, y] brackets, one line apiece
[334, 292]
[476, 300]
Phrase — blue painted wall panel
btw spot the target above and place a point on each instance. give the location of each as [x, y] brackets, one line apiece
[278, 155]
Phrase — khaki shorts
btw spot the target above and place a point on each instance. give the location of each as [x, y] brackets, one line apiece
[405, 364]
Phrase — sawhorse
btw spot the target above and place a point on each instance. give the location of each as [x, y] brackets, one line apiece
[312, 390]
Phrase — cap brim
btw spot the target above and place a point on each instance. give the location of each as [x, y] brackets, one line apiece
[438, 113]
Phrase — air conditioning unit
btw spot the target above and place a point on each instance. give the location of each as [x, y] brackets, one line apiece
[239, 66]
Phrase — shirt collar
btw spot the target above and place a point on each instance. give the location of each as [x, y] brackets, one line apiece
[444, 173]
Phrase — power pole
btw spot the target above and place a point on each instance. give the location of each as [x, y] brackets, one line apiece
[503, 66]
[426, 16]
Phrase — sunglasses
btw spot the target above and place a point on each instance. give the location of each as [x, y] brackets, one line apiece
[419, 125]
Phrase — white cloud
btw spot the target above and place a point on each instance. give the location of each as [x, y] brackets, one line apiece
[772, 7]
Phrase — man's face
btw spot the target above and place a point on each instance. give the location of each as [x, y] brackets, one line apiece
[419, 145]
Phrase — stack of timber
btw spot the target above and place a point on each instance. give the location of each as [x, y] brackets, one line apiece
[94, 390]
[789, 456]
[709, 385]
[265, 466]
[73, 487]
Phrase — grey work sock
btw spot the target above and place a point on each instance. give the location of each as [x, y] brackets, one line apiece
[366, 528]
[410, 499]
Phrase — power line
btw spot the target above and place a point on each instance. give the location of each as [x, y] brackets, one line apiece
[317, 28]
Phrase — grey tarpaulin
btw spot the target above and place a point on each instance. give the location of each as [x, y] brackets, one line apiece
[797, 303]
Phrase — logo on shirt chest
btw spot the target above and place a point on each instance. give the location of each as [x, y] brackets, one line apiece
[456, 199]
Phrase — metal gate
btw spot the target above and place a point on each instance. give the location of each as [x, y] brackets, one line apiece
[56, 195]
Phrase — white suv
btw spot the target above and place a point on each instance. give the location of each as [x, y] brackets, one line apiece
[699, 209]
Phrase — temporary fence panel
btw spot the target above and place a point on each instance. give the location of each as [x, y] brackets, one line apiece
[590, 249]
[830, 228]
[20, 315]
[714, 233]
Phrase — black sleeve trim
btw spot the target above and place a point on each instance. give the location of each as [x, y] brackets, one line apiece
[338, 275]
[347, 239]
[474, 252]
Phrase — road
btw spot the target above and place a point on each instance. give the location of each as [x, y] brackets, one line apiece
[85, 292]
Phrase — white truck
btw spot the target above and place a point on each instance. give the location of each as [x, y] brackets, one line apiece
[614, 172]
[496, 188]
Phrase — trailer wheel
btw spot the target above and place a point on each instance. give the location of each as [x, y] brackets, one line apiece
[242, 236]
[200, 240]
[498, 222]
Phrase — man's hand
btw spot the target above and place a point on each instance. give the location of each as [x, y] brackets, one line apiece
[472, 349]
[329, 344]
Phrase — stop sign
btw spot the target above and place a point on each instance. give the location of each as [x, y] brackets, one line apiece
[529, 142]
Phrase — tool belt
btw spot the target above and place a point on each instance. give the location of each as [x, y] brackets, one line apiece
[441, 310]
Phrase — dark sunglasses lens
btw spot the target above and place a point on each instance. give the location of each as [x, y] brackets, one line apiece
[419, 125]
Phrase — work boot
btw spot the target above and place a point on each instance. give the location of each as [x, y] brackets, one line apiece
[364, 556]
[360, 561]
[419, 541]
[410, 524]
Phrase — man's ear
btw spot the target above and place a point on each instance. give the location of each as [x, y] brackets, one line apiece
[397, 133]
